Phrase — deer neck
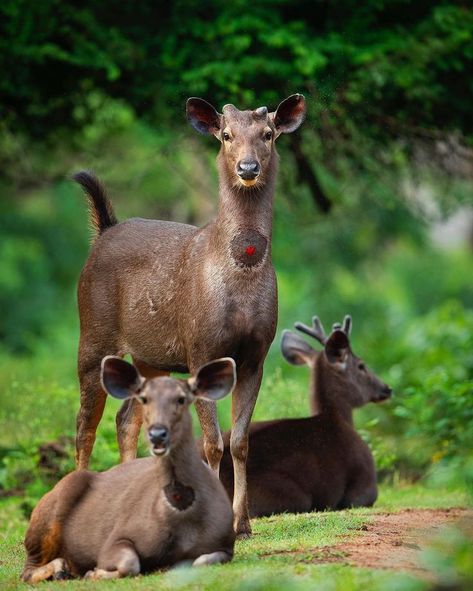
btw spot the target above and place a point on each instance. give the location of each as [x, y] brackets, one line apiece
[328, 394]
[245, 210]
[179, 464]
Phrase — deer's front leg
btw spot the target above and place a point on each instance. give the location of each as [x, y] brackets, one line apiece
[243, 403]
[116, 560]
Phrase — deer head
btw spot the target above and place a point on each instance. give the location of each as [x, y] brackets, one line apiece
[344, 371]
[247, 137]
[166, 400]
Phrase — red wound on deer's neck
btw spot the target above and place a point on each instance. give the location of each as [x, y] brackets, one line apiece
[248, 247]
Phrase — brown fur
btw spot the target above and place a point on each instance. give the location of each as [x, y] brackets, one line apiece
[121, 522]
[173, 296]
[319, 462]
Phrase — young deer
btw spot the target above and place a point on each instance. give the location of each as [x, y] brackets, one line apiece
[147, 513]
[319, 462]
[174, 296]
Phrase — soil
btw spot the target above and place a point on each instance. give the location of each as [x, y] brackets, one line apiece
[393, 540]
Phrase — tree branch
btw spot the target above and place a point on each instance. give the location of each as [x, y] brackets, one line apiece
[306, 174]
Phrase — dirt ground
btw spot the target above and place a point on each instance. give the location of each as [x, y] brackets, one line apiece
[394, 540]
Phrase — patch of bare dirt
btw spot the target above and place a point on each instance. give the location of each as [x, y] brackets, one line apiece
[393, 540]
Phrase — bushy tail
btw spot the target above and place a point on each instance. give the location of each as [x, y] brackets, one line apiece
[102, 215]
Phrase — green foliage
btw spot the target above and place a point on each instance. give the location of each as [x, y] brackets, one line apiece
[434, 377]
[380, 64]
[40, 251]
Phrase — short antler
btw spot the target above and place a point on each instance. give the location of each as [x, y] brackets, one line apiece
[317, 331]
[345, 327]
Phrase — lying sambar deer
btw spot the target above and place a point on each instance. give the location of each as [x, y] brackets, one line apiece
[174, 296]
[147, 513]
[319, 462]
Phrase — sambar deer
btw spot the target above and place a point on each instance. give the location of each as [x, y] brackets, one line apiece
[144, 514]
[319, 462]
[174, 296]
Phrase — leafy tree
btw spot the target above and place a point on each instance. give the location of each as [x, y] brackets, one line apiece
[378, 71]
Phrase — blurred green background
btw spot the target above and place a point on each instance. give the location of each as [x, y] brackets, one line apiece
[373, 211]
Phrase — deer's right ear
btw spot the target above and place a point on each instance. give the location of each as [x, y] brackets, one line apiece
[214, 380]
[202, 116]
[119, 378]
[295, 350]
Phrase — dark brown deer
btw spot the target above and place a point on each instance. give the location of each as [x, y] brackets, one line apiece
[319, 462]
[145, 514]
[174, 296]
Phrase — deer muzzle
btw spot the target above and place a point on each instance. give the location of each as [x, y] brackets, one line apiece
[248, 172]
[385, 394]
[158, 436]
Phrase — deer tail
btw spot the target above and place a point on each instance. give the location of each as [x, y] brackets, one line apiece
[102, 215]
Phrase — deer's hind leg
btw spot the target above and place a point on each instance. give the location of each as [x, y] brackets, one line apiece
[361, 495]
[57, 569]
[92, 399]
[44, 538]
[130, 417]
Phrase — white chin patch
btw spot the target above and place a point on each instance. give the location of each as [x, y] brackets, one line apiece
[246, 183]
[159, 452]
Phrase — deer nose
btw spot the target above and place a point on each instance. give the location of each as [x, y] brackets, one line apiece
[248, 169]
[158, 434]
[387, 392]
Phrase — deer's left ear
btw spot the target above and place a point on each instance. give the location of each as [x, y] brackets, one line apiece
[337, 347]
[214, 380]
[290, 114]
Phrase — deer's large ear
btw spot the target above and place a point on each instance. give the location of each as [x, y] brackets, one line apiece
[202, 116]
[290, 114]
[295, 350]
[119, 378]
[214, 380]
[337, 347]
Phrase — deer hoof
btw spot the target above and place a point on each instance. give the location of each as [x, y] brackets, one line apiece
[56, 569]
[62, 575]
[242, 526]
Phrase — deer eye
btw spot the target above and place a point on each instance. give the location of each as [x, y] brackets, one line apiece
[268, 135]
[361, 366]
[226, 136]
[142, 399]
[181, 400]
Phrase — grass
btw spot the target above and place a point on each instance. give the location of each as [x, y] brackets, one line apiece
[278, 556]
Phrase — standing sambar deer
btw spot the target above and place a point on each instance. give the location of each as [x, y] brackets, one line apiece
[174, 296]
[147, 513]
[319, 462]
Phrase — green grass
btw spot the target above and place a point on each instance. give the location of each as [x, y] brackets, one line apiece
[421, 496]
[278, 556]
